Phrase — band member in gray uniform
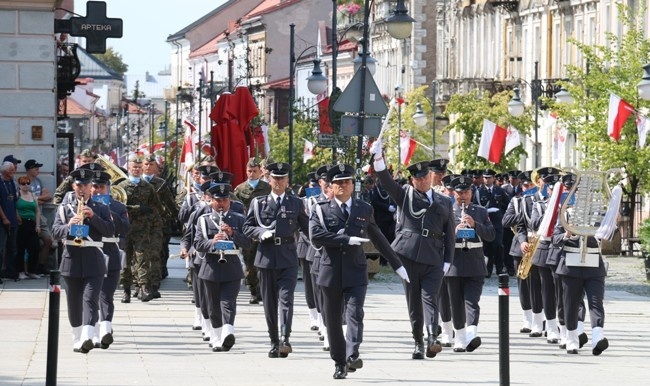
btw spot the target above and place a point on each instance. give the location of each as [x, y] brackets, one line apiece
[221, 272]
[114, 248]
[578, 280]
[446, 335]
[424, 241]
[541, 272]
[466, 275]
[274, 220]
[83, 265]
[340, 226]
[514, 219]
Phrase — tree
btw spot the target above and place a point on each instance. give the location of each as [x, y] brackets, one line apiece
[468, 112]
[616, 67]
[114, 61]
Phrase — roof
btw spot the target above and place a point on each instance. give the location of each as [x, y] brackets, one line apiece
[208, 48]
[91, 67]
[180, 34]
[150, 85]
[282, 84]
[74, 108]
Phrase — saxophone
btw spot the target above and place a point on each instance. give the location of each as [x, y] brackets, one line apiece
[80, 212]
[527, 259]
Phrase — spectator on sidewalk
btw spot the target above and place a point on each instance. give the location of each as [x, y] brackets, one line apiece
[9, 217]
[43, 195]
[28, 229]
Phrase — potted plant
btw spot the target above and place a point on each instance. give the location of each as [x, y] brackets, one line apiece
[350, 10]
[644, 240]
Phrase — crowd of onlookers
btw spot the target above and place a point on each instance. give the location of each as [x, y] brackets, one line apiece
[25, 239]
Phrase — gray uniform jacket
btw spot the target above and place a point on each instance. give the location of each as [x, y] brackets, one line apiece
[83, 261]
[471, 262]
[583, 272]
[122, 225]
[279, 251]
[206, 228]
[514, 217]
[344, 265]
[426, 239]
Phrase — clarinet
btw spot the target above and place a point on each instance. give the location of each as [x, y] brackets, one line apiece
[462, 222]
[222, 258]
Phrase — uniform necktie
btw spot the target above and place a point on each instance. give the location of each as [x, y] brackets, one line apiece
[277, 204]
[344, 209]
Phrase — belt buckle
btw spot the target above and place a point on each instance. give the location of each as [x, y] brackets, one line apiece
[277, 240]
[425, 232]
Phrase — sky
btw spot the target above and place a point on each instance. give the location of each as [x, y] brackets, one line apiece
[146, 25]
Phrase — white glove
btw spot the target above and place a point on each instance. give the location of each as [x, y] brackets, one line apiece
[357, 240]
[266, 235]
[401, 271]
[492, 210]
[376, 148]
[445, 267]
[391, 208]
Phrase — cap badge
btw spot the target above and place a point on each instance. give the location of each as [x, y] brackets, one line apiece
[418, 166]
[443, 162]
[82, 173]
[341, 167]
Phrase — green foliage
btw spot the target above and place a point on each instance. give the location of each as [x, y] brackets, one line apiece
[467, 112]
[644, 235]
[616, 67]
[113, 60]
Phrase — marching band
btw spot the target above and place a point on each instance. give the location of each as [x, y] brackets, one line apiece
[449, 231]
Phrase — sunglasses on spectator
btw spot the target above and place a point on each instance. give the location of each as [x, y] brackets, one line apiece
[24, 183]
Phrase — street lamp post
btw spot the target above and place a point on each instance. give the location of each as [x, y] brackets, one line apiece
[420, 118]
[516, 108]
[316, 83]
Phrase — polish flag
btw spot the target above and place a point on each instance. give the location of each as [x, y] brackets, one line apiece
[308, 152]
[407, 147]
[643, 126]
[493, 141]
[513, 139]
[189, 145]
[619, 112]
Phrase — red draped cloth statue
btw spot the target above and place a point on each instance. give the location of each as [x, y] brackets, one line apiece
[231, 134]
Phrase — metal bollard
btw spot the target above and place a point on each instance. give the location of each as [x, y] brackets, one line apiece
[504, 333]
[53, 328]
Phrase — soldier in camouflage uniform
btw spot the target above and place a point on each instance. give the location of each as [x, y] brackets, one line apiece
[143, 247]
[245, 192]
[85, 157]
[151, 173]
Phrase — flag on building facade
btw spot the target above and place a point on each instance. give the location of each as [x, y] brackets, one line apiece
[407, 147]
[308, 152]
[324, 124]
[493, 141]
[619, 112]
[189, 145]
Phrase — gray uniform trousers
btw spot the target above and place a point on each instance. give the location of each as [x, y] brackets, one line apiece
[465, 293]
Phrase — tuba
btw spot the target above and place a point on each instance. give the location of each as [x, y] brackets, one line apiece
[117, 176]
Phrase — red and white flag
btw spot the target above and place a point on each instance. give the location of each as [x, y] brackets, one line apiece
[619, 112]
[407, 147]
[513, 139]
[308, 152]
[643, 126]
[493, 141]
[189, 146]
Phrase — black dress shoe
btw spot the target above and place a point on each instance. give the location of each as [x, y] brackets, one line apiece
[275, 351]
[418, 351]
[551, 341]
[228, 342]
[574, 351]
[354, 363]
[253, 300]
[473, 344]
[314, 328]
[106, 341]
[146, 295]
[285, 348]
[340, 372]
[601, 346]
[459, 349]
[126, 297]
[582, 339]
[525, 330]
[433, 347]
[535, 334]
[562, 346]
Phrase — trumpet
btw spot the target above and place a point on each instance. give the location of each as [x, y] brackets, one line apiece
[222, 258]
[80, 212]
